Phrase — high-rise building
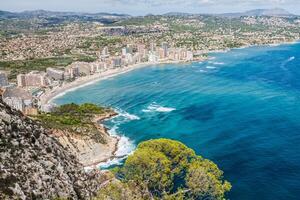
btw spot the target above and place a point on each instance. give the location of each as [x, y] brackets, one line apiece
[189, 56]
[152, 47]
[105, 52]
[124, 51]
[141, 49]
[153, 58]
[117, 62]
[3, 79]
[33, 79]
[17, 98]
[161, 53]
[165, 47]
[55, 74]
[129, 48]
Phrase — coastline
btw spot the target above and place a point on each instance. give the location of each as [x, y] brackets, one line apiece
[87, 80]
[109, 151]
[58, 91]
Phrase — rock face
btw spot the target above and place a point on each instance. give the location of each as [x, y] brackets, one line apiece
[33, 165]
[90, 149]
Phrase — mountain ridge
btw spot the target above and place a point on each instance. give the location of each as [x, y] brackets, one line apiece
[279, 12]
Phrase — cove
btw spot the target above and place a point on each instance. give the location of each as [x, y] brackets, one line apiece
[240, 109]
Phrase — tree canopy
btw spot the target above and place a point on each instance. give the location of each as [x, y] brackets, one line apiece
[167, 169]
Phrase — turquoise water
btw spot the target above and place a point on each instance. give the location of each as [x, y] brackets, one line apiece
[240, 109]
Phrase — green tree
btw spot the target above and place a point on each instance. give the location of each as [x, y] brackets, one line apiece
[169, 170]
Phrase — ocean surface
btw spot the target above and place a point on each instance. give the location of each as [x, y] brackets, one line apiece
[241, 109]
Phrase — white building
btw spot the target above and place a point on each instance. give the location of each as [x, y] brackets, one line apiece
[189, 56]
[17, 98]
[105, 52]
[153, 58]
[33, 79]
[55, 74]
[3, 80]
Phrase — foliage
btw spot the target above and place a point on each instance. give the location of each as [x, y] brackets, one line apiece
[16, 67]
[72, 116]
[170, 170]
[116, 190]
[23, 66]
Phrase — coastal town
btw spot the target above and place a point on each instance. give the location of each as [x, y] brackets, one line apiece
[149, 100]
[40, 61]
[32, 90]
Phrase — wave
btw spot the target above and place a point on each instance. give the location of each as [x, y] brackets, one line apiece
[282, 66]
[202, 71]
[216, 63]
[210, 67]
[154, 107]
[125, 145]
[291, 58]
[125, 116]
[125, 148]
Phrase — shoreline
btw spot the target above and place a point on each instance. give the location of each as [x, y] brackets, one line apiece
[52, 94]
[59, 91]
[102, 129]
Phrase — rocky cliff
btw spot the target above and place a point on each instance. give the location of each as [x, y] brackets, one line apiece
[33, 165]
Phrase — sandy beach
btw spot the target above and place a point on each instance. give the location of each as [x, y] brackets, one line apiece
[51, 94]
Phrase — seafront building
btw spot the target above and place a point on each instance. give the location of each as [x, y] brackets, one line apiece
[105, 52]
[19, 99]
[72, 72]
[55, 74]
[33, 79]
[130, 55]
[3, 80]
[164, 47]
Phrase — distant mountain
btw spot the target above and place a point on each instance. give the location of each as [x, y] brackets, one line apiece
[260, 12]
[45, 13]
[180, 14]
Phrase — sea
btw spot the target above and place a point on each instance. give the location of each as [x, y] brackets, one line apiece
[240, 109]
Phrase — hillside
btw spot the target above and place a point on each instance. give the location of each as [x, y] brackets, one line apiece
[261, 12]
[35, 166]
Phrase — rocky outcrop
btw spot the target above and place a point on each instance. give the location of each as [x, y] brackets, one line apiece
[34, 165]
[88, 149]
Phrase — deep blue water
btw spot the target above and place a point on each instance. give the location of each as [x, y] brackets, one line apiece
[241, 110]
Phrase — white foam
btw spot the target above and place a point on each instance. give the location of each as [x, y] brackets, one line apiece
[125, 145]
[291, 58]
[210, 67]
[127, 116]
[216, 63]
[125, 148]
[282, 66]
[202, 71]
[219, 63]
[154, 107]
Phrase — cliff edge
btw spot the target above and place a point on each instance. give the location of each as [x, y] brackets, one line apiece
[34, 165]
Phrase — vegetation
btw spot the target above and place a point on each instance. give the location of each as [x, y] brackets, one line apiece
[75, 118]
[23, 66]
[16, 67]
[167, 169]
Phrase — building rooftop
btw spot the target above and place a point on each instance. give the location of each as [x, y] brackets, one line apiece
[16, 92]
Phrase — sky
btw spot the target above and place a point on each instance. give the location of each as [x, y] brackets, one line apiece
[144, 7]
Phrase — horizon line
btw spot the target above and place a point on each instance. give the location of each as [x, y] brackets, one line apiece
[124, 13]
